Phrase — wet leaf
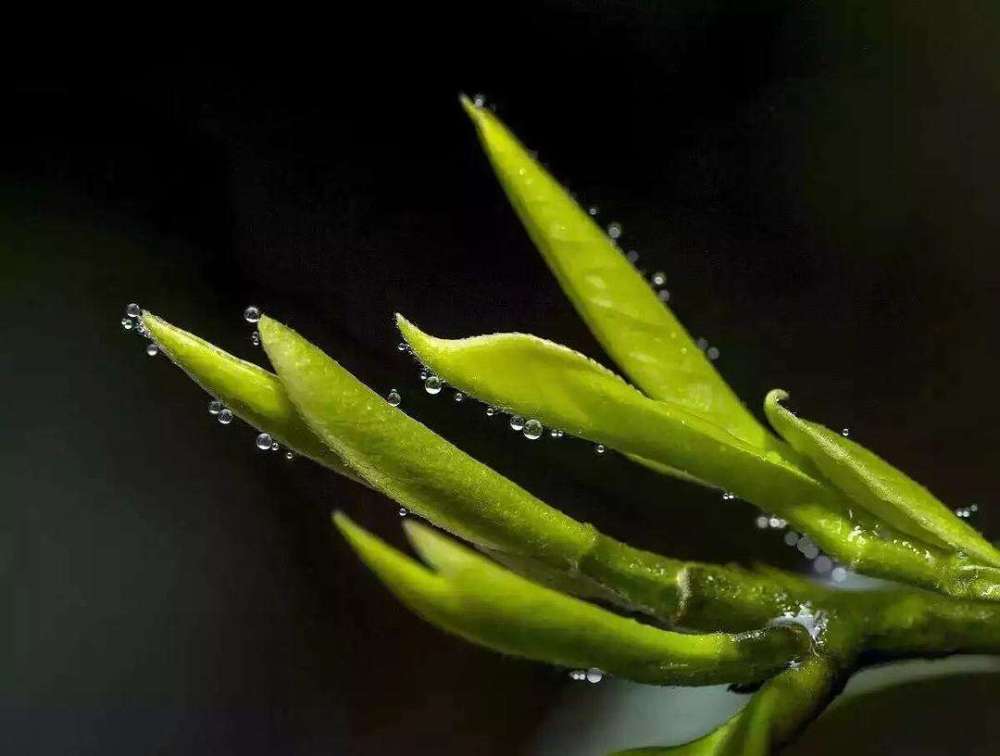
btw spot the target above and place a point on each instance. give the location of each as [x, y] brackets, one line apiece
[618, 305]
[470, 596]
[874, 484]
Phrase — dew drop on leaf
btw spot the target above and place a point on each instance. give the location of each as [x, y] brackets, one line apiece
[762, 522]
[533, 430]
[632, 256]
[289, 455]
[592, 210]
[251, 314]
[432, 385]
[664, 295]
[393, 398]
[127, 324]
[713, 353]
[264, 441]
[599, 449]
[839, 574]
[152, 350]
[403, 512]
[594, 675]
[133, 310]
[658, 278]
[516, 422]
[215, 407]
[615, 230]
[225, 416]
[555, 433]
[255, 338]
[459, 396]
[490, 412]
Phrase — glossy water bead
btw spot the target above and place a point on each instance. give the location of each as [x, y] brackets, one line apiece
[393, 398]
[432, 385]
[215, 407]
[658, 278]
[251, 314]
[255, 338]
[615, 230]
[152, 350]
[264, 442]
[594, 675]
[225, 416]
[516, 422]
[533, 430]
[133, 310]
[459, 396]
[127, 324]
[599, 449]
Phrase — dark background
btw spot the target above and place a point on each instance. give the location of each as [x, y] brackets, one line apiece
[817, 179]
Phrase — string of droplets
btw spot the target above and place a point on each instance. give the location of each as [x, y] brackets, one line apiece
[592, 675]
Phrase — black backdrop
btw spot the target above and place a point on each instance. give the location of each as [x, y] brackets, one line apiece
[816, 179]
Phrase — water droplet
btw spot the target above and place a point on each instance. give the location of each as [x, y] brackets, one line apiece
[251, 314]
[478, 100]
[133, 310]
[432, 385]
[845, 432]
[225, 416]
[809, 549]
[141, 329]
[255, 338]
[592, 210]
[127, 324]
[274, 446]
[152, 350]
[713, 353]
[424, 374]
[762, 522]
[658, 278]
[264, 441]
[577, 674]
[614, 230]
[823, 564]
[402, 346]
[777, 523]
[533, 430]
[839, 574]
[516, 422]
[215, 407]
[702, 343]
[664, 295]
[632, 256]
[594, 675]
[490, 412]
[555, 433]
[459, 396]
[599, 449]
[393, 398]
[289, 455]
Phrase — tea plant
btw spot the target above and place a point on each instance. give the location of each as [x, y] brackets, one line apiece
[542, 585]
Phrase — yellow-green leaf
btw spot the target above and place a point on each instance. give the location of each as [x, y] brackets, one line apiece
[874, 484]
[638, 330]
[253, 394]
[468, 595]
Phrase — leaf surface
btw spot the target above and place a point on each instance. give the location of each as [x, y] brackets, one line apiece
[876, 485]
[619, 306]
[470, 596]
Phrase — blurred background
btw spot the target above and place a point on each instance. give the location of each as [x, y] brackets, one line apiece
[816, 179]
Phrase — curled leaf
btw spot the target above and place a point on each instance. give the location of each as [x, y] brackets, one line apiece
[618, 305]
[470, 596]
[413, 465]
[877, 486]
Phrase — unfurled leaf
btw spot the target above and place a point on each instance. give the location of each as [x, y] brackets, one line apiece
[252, 393]
[564, 389]
[622, 310]
[874, 484]
[467, 594]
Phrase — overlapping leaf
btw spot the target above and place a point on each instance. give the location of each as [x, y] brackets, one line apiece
[638, 330]
[883, 490]
[468, 595]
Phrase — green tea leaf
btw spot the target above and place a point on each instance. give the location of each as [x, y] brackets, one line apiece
[253, 394]
[564, 389]
[874, 484]
[638, 330]
[470, 596]
[413, 465]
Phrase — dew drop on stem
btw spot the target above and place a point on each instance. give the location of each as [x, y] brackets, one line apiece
[264, 441]
[251, 314]
[393, 398]
[533, 430]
